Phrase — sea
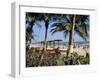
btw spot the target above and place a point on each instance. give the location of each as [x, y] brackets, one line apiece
[80, 43]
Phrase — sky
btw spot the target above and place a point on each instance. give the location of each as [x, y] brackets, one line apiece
[40, 32]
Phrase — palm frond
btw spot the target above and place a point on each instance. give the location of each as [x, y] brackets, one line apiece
[57, 29]
[65, 34]
[56, 24]
[38, 24]
[67, 26]
[53, 31]
[34, 36]
[68, 19]
[82, 33]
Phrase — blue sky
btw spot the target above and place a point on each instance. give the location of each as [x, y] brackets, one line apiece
[40, 32]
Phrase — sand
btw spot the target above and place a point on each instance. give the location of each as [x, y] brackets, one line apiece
[79, 50]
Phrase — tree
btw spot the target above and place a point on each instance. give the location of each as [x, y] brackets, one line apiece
[46, 18]
[71, 23]
[31, 19]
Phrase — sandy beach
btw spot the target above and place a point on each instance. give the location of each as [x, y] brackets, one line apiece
[82, 50]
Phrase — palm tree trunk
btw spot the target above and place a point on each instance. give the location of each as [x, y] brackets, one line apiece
[71, 37]
[45, 40]
[45, 43]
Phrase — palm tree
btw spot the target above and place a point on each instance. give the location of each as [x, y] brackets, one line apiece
[46, 18]
[29, 31]
[71, 35]
[71, 23]
[31, 19]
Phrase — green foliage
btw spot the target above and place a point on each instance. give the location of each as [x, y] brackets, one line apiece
[33, 56]
[81, 32]
[76, 59]
[81, 25]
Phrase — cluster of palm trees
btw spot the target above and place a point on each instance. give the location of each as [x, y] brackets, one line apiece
[69, 24]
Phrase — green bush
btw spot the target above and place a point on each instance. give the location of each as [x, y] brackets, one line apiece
[33, 57]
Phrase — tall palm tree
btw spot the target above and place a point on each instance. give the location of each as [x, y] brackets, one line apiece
[29, 31]
[71, 35]
[47, 18]
[77, 23]
[31, 19]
